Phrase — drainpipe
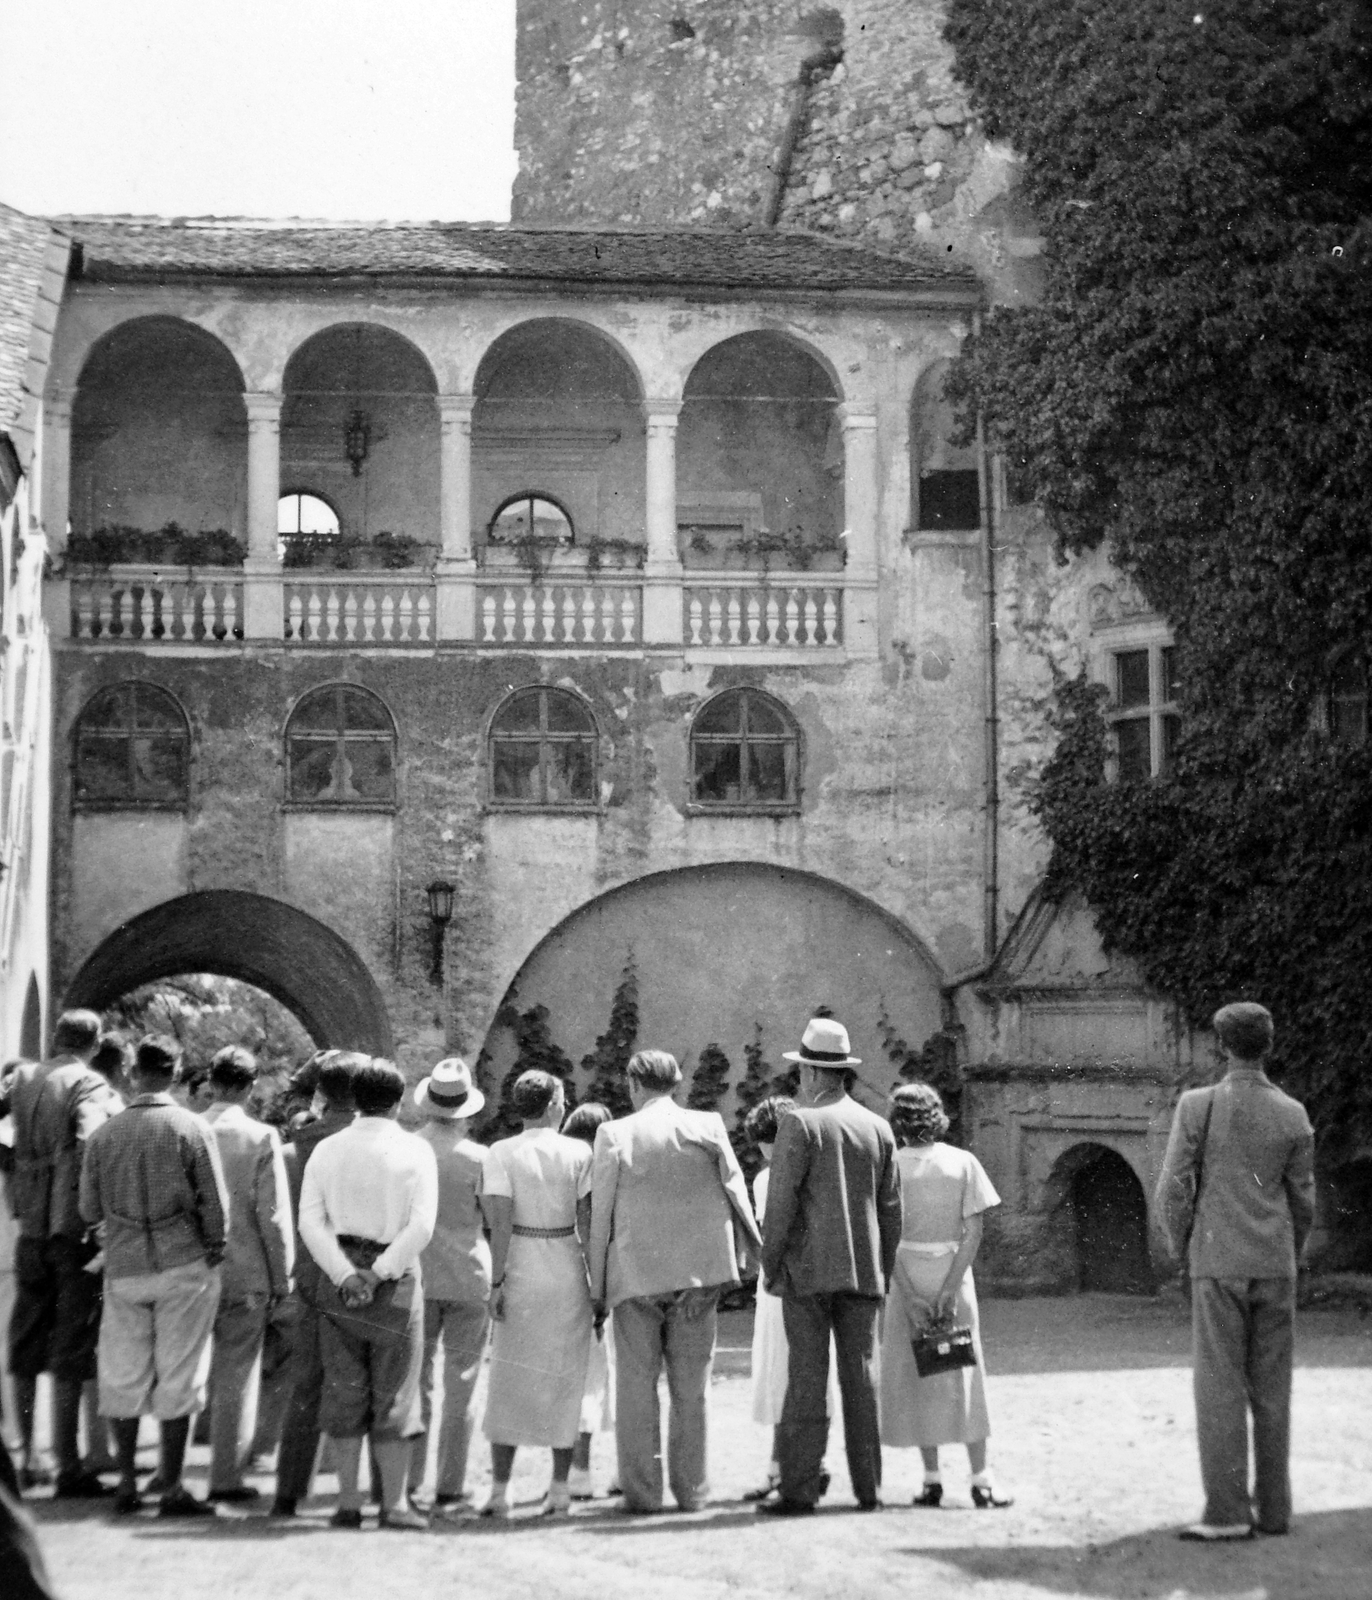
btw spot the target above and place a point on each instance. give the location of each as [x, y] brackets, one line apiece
[821, 60]
[991, 726]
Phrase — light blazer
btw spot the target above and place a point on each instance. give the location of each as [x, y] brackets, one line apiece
[667, 1201]
[1257, 1183]
[261, 1247]
[834, 1212]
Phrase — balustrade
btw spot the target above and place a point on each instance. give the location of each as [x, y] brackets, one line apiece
[789, 610]
[372, 608]
[142, 604]
[602, 613]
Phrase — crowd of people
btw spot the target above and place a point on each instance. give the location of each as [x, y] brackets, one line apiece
[184, 1261]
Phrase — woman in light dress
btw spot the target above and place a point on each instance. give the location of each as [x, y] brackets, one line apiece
[597, 1398]
[536, 1199]
[945, 1193]
[770, 1352]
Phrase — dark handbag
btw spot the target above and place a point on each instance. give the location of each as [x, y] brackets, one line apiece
[942, 1347]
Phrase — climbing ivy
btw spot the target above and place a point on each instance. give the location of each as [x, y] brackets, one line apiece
[607, 1062]
[1194, 389]
[536, 1051]
[710, 1081]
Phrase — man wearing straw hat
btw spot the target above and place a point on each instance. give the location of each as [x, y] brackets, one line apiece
[456, 1272]
[829, 1247]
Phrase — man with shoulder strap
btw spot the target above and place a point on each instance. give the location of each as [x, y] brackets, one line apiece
[56, 1107]
[1237, 1195]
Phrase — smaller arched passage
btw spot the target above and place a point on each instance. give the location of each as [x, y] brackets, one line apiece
[1100, 1214]
[296, 959]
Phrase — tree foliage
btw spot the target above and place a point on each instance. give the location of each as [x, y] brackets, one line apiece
[1195, 390]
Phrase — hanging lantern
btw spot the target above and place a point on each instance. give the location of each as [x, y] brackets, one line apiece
[357, 436]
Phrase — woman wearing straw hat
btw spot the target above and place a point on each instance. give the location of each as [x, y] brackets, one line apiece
[456, 1272]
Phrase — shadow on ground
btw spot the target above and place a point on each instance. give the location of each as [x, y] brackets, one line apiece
[1328, 1553]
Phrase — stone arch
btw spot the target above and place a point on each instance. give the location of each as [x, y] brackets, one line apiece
[299, 961]
[760, 455]
[559, 414]
[944, 480]
[722, 949]
[1098, 1210]
[31, 1026]
[362, 374]
[159, 430]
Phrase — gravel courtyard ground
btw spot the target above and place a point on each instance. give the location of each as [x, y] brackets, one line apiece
[1091, 1409]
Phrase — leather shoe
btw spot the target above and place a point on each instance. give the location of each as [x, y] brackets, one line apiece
[930, 1495]
[182, 1503]
[871, 1505]
[283, 1506]
[79, 1486]
[242, 1494]
[786, 1508]
[346, 1517]
[1216, 1533]
[984, 1499]
[406, 1517]
[127, 1502]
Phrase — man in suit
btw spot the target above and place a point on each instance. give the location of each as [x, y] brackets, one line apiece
[670, 1220]
[1237, 1195]
[833, 1224]
[256, 1271]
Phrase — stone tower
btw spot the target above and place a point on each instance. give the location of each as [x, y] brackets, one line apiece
[846, 119]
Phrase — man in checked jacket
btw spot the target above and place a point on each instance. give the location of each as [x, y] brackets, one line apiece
[153, 1178]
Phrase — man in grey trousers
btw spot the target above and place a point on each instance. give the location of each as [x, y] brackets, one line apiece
[1237, 1192]
[670, 1224]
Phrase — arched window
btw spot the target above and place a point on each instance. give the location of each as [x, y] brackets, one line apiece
[531, 514]
[340, 749]
[544, 750]
[944, 478]
[745, 753]
[132, 749]
[298, 513]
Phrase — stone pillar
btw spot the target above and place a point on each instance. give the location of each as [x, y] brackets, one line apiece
[662, 573]
[861, 499]
[264, 614]
[54, 495]
[455, 573]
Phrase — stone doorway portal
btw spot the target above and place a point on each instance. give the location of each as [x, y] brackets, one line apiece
[1110, 1213]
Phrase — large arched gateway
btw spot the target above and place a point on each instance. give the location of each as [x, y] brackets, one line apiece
[296, 959]
[736, 954]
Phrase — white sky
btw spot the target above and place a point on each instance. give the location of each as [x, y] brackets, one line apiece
[320, 108]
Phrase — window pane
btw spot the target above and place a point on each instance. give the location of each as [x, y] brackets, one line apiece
[159, 766]
[373, 772]
[1171, 682]
[763, 716]
[1134, 757]
[363, 712]
[512, 524]
[571, 772]
[723, 715]
[154, 710]
[316, 713]
[767, 772]
[1171, 727]
[1131, 678]
[550, 522]
[112, 709]
[717, 772]
[316, 515]
[314, 774]
[102, 770]
[566, 714]
[514, 771]
[519, 714]
[949, 500]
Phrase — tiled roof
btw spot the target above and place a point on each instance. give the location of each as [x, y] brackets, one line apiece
[121, 248]
[32, 259]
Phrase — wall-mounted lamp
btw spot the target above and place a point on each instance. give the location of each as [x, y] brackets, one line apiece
[440, 893]
[357, 438]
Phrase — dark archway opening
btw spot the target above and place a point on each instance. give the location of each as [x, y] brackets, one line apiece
[297, 960]
[1111, 1218]
[1348, 1205]
[31, 1025]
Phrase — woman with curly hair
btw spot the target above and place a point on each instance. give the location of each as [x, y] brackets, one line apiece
[945, 1193]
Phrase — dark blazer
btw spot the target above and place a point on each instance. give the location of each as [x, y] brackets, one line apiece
[833, 1203]
[1257, 1186]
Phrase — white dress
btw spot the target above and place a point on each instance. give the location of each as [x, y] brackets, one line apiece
[770, 1350]
[940, 1187]
[539, 1349]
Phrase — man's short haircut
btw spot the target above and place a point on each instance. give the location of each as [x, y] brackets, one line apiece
[533, 1093]
[378, 1087]
[112, 1055]
[233, 1068]
[158, 1057]
[77, 1033]
[584, 1121]
[335, 1077]
[1244, 1029]
[654, 1069]
[762, 1121]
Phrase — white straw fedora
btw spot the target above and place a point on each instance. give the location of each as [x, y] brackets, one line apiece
[448, 1091]
[823, 1044]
